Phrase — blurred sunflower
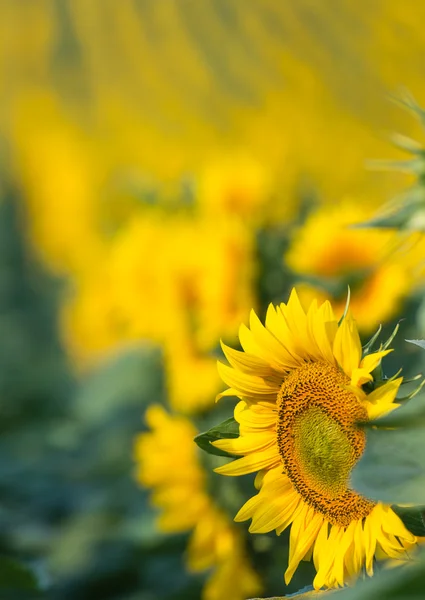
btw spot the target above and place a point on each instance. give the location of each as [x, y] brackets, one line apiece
[300, 381]
[236, 185]
[168, 463]
[326, 247]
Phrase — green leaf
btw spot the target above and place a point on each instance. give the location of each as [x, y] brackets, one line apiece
[392, 468]
[15, 576]
[413, 519]
[225, 430]
[305, 592]
[401, 583]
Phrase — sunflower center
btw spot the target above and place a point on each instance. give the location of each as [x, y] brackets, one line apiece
[323, 449]
[319, 441]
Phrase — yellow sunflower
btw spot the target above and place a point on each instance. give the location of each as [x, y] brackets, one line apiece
[300, 381]
[168, 463]
[328, 247]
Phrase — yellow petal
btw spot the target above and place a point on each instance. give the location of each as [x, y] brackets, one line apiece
[302, 538]
[320, 544]
[248, 385]
[318, 324]
[247, 363]
[381, 401]
[246, 444]
[369, 541]
[371, 361]
[296, 320]
[265, 339]
[253, 462]
[255, 417]
[347, 348]
[324, 576]
[359, 377]
[274, 512]
[278, 326]
[391, 523]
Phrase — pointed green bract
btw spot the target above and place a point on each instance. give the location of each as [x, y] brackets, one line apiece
[225, 430]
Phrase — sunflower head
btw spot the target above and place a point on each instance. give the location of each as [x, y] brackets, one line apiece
[168, 463]
[301, 382]
[379, 275]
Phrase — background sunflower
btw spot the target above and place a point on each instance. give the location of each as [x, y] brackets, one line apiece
[167, 166]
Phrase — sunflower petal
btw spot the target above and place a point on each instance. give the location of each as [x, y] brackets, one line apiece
[253, 462]
[347, 348]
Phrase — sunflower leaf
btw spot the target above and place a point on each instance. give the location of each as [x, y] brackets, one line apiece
[15, 578]
[405, 583]
[392, 468]
[413, 519]
[225, 430]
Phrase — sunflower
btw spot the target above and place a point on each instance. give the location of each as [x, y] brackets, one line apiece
[328, 247]
[168, 463]
[300, 382]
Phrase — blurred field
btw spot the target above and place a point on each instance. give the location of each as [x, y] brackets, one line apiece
[166, 166]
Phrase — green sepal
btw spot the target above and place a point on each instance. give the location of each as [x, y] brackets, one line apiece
[368, 347]
[407, 100]
[347, 306]
[412, 165]
[228, 429]
[420, 343]
[412, 393]
[403, 142]
[385, 345]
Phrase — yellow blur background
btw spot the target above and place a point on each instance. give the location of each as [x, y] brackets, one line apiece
[152, 139]
[180, 162]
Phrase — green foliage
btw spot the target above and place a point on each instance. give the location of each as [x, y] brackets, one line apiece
[412, 518]
[70, 504]
[405, 582]
[407, 210]
[392, 468]
[227, 429]
[17, 581]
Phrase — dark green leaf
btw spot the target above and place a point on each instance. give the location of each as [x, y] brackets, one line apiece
[413, 519]
[16, 576]
[227, 429]
[401, 583]
[392, 468]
